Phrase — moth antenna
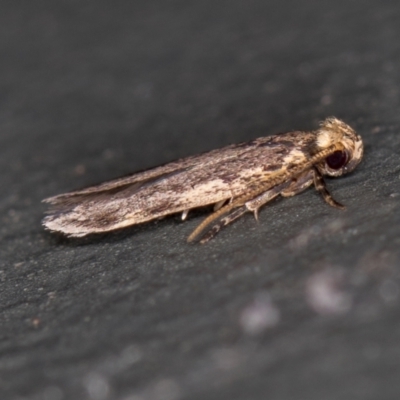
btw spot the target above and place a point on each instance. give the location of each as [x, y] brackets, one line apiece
[209, 219]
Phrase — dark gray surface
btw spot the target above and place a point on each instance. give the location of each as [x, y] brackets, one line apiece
[92, 90]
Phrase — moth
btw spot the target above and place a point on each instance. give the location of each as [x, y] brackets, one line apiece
[236, 179]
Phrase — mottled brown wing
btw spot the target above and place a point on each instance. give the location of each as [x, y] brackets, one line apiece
[175, 187]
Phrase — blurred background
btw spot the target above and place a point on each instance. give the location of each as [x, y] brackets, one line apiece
[303, 304]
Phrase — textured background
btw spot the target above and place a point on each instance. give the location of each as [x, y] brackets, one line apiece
[305, 304]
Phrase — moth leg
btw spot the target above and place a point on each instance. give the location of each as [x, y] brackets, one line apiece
[221, 203]
[218, 205]
[286, 189]
[184, 214]
[319, 184]
[299, 184]
[232, 216]
[255, 204]
[252, 206]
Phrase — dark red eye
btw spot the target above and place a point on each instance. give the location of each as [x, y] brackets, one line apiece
[337, 160]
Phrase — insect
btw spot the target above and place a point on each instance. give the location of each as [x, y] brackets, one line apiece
[236, 179]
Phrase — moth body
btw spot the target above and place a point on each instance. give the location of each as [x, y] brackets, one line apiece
[236, 179]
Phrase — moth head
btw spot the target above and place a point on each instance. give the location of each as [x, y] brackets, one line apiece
[347, 147]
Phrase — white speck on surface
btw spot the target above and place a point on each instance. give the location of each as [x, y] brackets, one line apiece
[324, 294]
[259, 315]
[375, 130]
[97, 386]
[308, 234]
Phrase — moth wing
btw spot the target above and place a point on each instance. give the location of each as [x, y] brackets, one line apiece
[154, 174]
[175, 187]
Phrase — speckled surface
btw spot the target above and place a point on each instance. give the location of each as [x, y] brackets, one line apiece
[304, 304]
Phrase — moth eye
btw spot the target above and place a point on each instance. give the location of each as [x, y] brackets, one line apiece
[337, 160]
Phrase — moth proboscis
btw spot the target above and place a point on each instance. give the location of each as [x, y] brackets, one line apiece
[235, 179]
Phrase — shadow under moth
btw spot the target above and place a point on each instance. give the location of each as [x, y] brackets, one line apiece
[235, 179]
